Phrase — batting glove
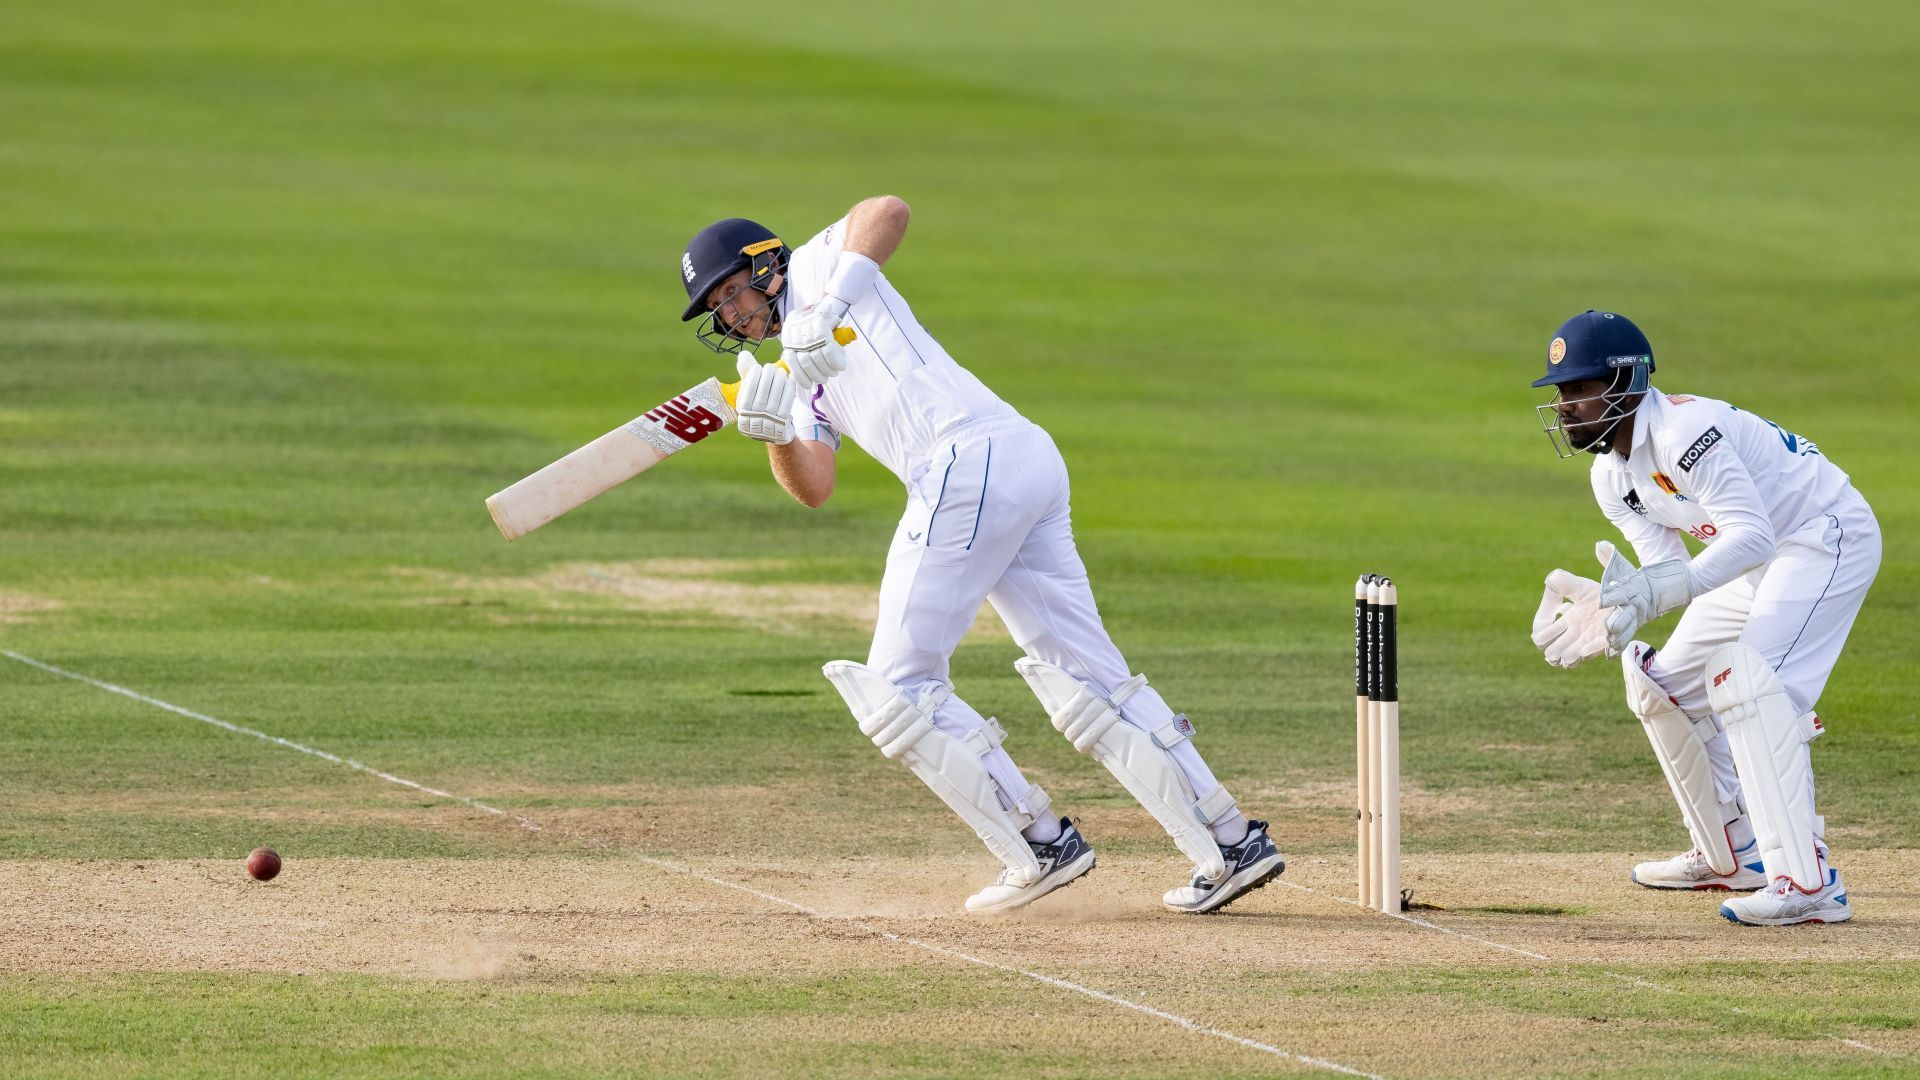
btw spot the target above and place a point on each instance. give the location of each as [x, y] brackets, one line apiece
[765, 401]
[810, 351]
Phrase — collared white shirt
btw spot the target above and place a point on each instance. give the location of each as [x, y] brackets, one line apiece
[901, 392]
[1703, 468]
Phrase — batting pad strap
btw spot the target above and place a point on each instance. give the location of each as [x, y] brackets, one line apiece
[1217, 807]
[984, 739]
[1811, 728]
[1141, 764]
[904, 731]
[1036, 804]
[1173, 732]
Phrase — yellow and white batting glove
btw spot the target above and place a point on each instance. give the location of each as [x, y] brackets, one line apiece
[1637, 597]
[1568, 628]
[765, 401]
[809, 348]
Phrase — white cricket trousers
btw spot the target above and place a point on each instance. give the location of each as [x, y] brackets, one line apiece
[1795, 611]
[987, 519]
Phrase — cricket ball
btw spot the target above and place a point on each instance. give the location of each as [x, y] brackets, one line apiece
[263, 864]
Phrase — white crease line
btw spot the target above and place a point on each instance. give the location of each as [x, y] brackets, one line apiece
[526, 823]
[1630, 979]
[1417, 922]
[288, 743]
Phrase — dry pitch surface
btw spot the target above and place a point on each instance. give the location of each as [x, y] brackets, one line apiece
[1295, 969]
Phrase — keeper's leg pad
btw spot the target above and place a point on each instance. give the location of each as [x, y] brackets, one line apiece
[1138, 759]
[1769, 739]
[1680, 744]
[903, 730]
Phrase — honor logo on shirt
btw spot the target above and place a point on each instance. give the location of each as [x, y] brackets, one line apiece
[1699, 449]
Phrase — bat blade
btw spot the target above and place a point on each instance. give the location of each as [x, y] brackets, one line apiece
[619, 455]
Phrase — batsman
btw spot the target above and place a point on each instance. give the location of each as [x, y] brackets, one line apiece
[1788, 551]
[986, 520]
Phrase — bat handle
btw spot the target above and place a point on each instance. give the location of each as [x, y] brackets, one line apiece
[731, 390]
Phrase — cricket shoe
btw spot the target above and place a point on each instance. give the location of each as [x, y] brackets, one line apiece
[1062, 861]
[1781, 903]
[1251, 863]
[1690, 870]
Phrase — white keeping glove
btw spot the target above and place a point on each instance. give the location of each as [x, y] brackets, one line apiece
[1638, 597]
[809, 349]
[765, 401]
[1568, 627]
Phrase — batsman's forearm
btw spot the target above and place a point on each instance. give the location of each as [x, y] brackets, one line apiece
[805, 469]
[876, 226]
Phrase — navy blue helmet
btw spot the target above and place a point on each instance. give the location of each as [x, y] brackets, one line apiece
[1596, 345]
[716, 253]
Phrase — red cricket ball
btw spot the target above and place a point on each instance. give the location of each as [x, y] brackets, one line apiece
[263, 864]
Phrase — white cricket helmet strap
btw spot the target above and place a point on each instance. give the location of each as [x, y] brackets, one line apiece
[1136, 758]
[1769, 738]
[1680, 744]
[903, 729]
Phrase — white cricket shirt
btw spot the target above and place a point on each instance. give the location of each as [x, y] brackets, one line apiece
[1703, 468]
[901, 392]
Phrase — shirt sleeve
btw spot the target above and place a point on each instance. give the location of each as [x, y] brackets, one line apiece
[1651, 543]
[1744, 534]
[810, 423]
[813, 264]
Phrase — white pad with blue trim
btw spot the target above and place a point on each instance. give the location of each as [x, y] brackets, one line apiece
[903, 729]
[1136, 758]
[1769, 738]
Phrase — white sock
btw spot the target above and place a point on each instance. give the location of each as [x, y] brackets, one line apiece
[1231, 830]
[1044, 830]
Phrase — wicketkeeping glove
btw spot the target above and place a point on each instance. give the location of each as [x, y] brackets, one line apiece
[1638, 597]
[1568, 628]
[765, 401]
[810, 350]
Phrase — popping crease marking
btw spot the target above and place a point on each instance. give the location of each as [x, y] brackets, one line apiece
[1631, 980]
[665, 864]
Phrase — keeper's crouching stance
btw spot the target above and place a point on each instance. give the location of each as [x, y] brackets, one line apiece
[1791, 548]
[986, 521]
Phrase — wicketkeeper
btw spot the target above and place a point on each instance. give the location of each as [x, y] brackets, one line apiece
[986, 520]
[1788, 550]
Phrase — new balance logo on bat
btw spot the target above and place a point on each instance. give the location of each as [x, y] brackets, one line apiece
[685, 420]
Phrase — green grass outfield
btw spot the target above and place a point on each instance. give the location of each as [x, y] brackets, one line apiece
[286, 290]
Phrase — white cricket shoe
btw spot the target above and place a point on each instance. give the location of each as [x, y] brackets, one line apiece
[1251, 863]
[1063, 861]
[1690, 870]
[1782, 904]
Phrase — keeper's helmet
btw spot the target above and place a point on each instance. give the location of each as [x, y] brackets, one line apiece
[1596, 345]
[717, 252]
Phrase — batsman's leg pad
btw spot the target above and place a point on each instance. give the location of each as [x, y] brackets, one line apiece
[1769, 738]
[903, 729]
[1680, 744]
[1136, 758]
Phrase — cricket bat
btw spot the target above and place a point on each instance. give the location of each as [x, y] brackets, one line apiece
[619, 455]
